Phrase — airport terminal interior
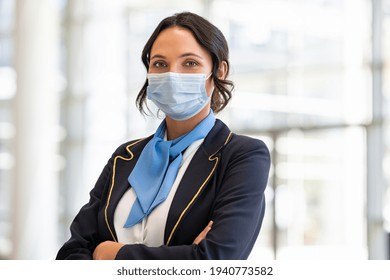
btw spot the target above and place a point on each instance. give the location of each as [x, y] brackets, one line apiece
[312, 80]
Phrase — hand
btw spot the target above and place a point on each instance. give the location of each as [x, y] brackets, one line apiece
[106, 250]
[203, 234]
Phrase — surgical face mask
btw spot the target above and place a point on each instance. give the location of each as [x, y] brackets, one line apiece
[180, 96]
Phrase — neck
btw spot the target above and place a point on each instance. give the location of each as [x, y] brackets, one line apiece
[176, 129]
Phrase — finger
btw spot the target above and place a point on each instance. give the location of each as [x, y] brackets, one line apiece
[210, 224]
[204, 233]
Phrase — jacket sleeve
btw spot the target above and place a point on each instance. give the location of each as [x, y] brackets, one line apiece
[84, 228]
[240, 206]
[237, 213]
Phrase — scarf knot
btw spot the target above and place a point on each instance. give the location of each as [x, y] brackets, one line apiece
[157, 167]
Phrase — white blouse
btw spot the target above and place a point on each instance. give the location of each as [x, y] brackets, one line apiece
[151, 230]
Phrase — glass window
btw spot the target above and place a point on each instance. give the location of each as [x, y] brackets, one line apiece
[386, 109]
[298, 66]
[7, 91]
[317, 174]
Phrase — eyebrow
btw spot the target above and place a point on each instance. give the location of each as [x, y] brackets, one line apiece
[157, 56]
[182, 55]
[191, 54]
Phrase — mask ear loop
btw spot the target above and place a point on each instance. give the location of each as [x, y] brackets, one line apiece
[210, 99]
[212, 92]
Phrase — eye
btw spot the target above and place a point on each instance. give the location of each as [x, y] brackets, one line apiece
[159, 64]
[191, 63]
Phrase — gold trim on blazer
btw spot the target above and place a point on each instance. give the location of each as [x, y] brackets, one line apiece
[211, 158]
[113, 182]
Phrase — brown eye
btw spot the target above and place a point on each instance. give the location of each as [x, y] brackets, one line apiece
[191, 63]
[159, 64]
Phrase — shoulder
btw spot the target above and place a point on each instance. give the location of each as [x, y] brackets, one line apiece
[132, 146]
[244, 162]
[222, 139]
[246, 147]
[246, 142]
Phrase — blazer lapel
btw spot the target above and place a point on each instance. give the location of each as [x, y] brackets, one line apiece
[122, 166]
[203, 164]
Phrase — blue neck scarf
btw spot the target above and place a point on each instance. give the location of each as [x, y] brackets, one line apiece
[156, 169]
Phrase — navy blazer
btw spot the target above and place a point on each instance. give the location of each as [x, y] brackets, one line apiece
[224, 182]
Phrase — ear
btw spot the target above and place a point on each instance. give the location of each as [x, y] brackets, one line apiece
[222, 70]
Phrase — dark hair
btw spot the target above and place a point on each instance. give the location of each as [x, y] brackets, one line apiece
[210, 38]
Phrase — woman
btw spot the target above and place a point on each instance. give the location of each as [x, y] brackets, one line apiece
[194, 189]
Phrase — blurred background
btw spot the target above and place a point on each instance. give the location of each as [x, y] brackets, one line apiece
[312, 80]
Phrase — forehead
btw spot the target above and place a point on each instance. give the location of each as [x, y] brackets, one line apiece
[176, 41]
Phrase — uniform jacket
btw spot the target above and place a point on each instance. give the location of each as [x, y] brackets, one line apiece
[224, 182]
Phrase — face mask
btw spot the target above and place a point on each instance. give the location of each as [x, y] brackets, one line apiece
[179, 96]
